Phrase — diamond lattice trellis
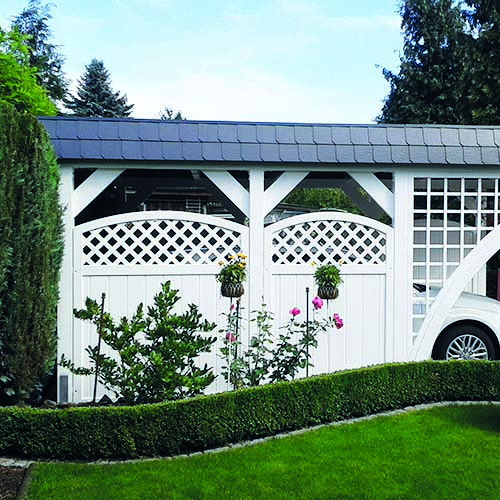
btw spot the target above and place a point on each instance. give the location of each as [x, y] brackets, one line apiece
[149, 242]
[327, 241]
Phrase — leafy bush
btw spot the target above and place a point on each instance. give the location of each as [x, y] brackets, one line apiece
[30, 253]
[217, 420]
[156, 354]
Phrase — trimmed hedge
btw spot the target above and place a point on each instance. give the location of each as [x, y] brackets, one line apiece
[217, 420]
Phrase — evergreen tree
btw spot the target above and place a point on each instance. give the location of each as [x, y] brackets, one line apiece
[43, 55]
[18, 84]
[95, 97]
[30, 253]
[431, 83]
[482, 69]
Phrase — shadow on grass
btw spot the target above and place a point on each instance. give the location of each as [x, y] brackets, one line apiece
[485, 417]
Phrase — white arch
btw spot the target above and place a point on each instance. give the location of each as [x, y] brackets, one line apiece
[161, 215]
[330, 215]
[450, 292]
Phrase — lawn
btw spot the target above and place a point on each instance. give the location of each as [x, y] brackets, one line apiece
[434, 453]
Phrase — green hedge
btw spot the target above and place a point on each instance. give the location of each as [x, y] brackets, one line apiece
[211, 421]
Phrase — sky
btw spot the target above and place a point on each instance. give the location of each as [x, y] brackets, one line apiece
[294, 61]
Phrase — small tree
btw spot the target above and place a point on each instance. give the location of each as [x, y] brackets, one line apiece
[18, 84]
[95, 97]
[30, 253]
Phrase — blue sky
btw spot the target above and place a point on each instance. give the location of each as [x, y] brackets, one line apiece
[247, 60]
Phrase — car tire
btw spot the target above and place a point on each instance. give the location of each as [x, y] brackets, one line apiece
[464, 342]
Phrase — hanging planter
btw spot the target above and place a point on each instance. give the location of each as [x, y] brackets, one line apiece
[234, 290]
[232, 275]
[328, 292]
[327, 278]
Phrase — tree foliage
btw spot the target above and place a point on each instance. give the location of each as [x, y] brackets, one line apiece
[155, 355]
[30, 252]
[18, 85]
[95, 97]
[42, 55]
[448, 71]
[322, 198]
[169, 114]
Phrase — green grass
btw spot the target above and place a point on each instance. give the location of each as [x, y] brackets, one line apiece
[436, 453]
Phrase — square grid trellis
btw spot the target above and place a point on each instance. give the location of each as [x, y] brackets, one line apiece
[148, 242]
[450, 217]
[327, 241]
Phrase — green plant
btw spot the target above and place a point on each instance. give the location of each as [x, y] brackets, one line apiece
[375, 459]
[263, 363]
[216, 420]
[234, 271]
[31, 247]
[155, 354]
[327, 275]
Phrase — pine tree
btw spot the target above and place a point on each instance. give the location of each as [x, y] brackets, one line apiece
[43, 55]
[30, 253]
[430, 85]
[95, 98]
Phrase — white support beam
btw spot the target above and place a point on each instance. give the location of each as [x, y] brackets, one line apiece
[231, 188]
[283, 185]
[398, 345]
[376, 189]
[65, 307]
[256, 236]
[93, 187]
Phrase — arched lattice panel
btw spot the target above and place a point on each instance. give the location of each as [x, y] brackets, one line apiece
[326, 240]
[171, 238]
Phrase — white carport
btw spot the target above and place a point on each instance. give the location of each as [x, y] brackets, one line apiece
[439, 185]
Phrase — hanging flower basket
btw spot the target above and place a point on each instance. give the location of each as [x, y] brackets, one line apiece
[232, 275]
[232, 290]
[327, 278]
[328, 292]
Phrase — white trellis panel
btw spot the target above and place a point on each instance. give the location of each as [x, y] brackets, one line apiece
[365, 301]
[128, 256]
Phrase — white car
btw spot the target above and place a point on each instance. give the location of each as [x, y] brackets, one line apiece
[471, 330]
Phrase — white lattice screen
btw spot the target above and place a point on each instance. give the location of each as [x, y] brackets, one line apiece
[328, 241]
[169, 241]
[450, 217]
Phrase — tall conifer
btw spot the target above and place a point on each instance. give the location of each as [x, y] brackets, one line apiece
[30, 253]
[95, 98]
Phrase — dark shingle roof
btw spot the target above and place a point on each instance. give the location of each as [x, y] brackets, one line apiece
[153, 140]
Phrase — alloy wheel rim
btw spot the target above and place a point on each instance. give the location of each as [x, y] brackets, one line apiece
[467, 347]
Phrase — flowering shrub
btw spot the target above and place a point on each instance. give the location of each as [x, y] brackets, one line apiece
[260, 362]
[234, 271]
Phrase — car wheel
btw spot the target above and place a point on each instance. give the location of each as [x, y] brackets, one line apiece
[464, 342]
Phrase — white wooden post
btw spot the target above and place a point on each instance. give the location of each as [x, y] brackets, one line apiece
[256, 237]
[65, 308]
[399, 346]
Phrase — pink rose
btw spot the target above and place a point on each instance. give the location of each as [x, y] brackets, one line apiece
[294, 312]
[317, 303]
[230, 337]
[339, 322]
